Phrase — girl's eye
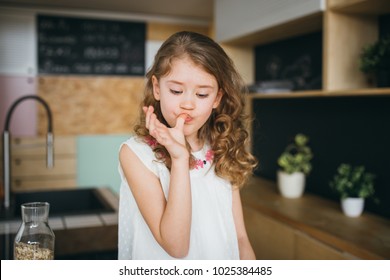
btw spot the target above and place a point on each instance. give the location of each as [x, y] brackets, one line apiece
[176, 91]
[202, 95]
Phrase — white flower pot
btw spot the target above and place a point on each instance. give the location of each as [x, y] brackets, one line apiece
[291, 185]
[352, 206]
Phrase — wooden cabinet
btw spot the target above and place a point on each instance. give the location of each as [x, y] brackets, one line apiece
[308, 248]
[347, 26]
[273, 240]
[309, 228]
[270, 239]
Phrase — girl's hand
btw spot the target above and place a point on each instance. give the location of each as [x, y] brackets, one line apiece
[172, 138]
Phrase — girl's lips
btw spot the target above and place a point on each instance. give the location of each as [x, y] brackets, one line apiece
[186, 117]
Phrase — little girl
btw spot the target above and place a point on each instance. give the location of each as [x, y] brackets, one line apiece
[182, 169]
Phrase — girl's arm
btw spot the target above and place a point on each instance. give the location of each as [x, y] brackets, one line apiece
[246, 251]
[169, 220]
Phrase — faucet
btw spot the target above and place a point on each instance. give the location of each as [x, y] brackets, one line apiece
[6, 144]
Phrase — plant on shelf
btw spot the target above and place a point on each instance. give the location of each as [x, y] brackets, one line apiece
[297, 156]
[353, 184]
[375, 61]
[295, 164]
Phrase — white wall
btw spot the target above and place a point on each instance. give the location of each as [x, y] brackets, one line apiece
[17, 43]
[17, 70]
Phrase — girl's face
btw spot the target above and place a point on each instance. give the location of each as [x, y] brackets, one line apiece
[187, 89]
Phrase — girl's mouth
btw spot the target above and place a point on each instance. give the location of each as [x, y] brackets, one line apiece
[187, 118]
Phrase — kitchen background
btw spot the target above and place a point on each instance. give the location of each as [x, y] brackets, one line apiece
[95, 106]
[311, 44]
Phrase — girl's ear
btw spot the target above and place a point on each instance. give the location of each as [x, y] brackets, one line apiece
[218, 98]
[156, 88]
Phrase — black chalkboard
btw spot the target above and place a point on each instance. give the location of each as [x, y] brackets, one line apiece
[83, 46]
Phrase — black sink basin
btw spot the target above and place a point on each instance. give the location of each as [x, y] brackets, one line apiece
[62, 202]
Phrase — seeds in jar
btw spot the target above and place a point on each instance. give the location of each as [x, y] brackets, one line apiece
[24, 251]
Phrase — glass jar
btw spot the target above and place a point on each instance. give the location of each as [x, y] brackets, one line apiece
[34, 239]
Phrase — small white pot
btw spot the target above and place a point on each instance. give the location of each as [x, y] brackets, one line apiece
[291, 185]
[352, 206]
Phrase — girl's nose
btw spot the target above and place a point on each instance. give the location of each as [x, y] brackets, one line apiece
[188, 101]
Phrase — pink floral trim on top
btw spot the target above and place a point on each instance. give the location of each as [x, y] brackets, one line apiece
[151, 141]
[209, 156]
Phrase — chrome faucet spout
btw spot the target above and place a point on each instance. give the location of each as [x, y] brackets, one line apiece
[6, 144]
[50, 150]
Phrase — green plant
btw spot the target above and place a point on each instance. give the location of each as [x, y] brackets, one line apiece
[375, 56]
[297, 156]
[352, 181]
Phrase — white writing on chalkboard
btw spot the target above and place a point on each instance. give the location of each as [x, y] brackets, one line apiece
[52, 67]
[68, 45]
[68, 39]
[101, 53]
[49, 51]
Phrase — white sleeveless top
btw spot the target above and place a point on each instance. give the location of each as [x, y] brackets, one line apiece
[213, 234]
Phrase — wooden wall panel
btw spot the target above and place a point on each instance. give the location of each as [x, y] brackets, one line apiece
[90, 105]
[28, 164]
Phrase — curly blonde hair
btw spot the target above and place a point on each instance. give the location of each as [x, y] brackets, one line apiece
[225, 129]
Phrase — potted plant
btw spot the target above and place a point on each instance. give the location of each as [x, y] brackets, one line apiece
[375, 61]
[295, 164]
[353, 184]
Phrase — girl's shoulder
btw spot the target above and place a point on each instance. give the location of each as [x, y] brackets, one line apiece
[139, 144]
[143, 149]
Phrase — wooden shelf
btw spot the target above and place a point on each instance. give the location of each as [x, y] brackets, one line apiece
[321, 93]
[347, 27]
[365, 237]
[363, 7]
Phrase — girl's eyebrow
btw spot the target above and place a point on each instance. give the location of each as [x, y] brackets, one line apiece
[180, 83]
[174, 82]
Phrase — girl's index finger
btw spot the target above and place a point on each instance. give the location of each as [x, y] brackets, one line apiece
[147, 108]
[180, 121]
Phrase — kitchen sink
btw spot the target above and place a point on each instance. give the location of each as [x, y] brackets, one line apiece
[62, 202]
